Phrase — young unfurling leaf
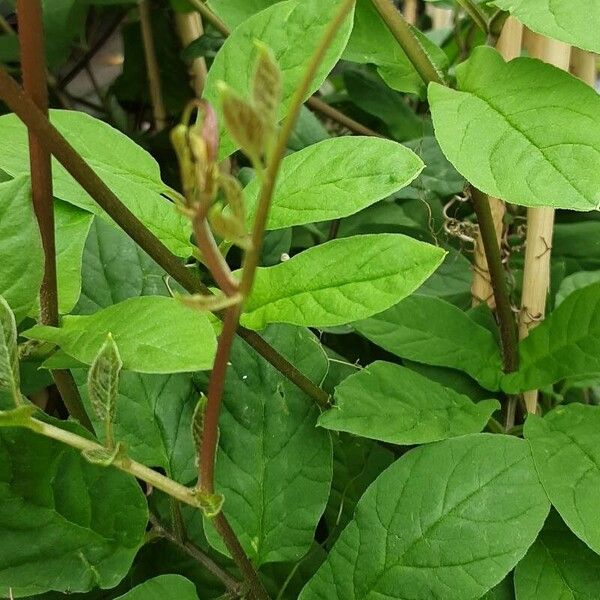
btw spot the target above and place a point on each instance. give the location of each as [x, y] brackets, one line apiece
[103, 384]
[198, 422]
[9, 353]
[104, 457]
[266, 86]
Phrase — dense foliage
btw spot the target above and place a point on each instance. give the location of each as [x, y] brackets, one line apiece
[262, 368]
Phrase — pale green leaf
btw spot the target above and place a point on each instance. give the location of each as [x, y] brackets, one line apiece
[447, 520]
[154, 335]
[20, 247]
[9, 352]
[558, 567]
[393, 404]
[340, 281]
[163, 587]
[335, 178]
[65, 524]
[575, 22]
[524, 131]
[566, 452]
[274, 467]
[234, 12]
[292, 30]
[565, 344]
[153, 420]
[435, 332]
[72, 226]
[128, 170]
[103, 381]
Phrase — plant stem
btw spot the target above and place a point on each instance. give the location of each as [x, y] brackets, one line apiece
[156, 96]
[12, 94]
[189, 28]
[209, 16]
[487, 229]
[33, 67]
[412, 47]
[231, 584]
[155, 479]
[270, 173]
[409, 10]
[354, 126]
[475, 13]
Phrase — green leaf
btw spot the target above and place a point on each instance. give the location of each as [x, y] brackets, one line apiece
[292, 30]
[435, 332]
[495, 131]
[505, 590]
[565, 344]
[567, 246]
[447, 520]
[65, 525]
[340, 281]
[154, 335]
[335, 178]
[20, 247]
[393, 404]
[574, 22]
[103, 381]
[128, 170]
[163, 587]
[9, 352]
[565, 449]
[72, 226]
[116, 268]
[153, 420]
[558, 567]
[273, 465]
[64, 20]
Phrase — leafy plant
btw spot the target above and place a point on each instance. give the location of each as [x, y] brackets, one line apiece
[246, 347]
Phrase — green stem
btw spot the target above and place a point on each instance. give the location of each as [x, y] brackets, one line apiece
[508, 330]
[209, 16]
[31, 40]
[160, 482]
[270, 174]
[409, 42]
[475, 13]
[12, 94]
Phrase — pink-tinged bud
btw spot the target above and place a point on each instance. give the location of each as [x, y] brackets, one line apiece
[210, 130]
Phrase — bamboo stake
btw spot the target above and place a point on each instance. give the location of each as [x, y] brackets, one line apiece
[410, 11]
[509, 45]
[540, 224]
[583, 65]
[156, 97]
[440, 17]
[189, 27]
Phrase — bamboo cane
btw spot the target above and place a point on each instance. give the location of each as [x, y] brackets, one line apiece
[583, 65]
[410, 11]
[189, 27]
[540, 224]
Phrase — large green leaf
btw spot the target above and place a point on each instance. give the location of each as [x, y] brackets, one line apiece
[71, 225]
[391, 403]
[153, 418]
[567, 456]
[292, 30]
[163, 587]
[274, 466]
[116, 268]
[495, 130]
[154, 335]
[340, 281]
[336, 178]
[20, 247]
[558, 567]
[566, 344]
[435, 332]
[128, 170]
[575, 22]
[64, 524]
[447, 520]
[574, 282]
